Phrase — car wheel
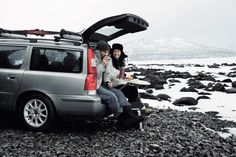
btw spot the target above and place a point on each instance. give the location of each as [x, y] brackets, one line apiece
[37, 112]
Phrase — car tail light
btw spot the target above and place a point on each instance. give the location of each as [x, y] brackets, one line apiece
[91, 79]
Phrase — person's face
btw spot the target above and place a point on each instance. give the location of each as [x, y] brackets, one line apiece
[105, 53]
[116, 53]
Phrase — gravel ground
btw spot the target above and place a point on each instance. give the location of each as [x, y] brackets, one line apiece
[167, 133]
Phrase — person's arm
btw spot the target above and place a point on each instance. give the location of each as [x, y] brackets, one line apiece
[100, 67]
[108, 76]
[107, 73]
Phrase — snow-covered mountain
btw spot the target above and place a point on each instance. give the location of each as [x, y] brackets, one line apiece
[156, 49]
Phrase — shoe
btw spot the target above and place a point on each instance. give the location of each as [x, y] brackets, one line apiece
[136, 104]
[128, 123]
[128, 119]
[147, 111]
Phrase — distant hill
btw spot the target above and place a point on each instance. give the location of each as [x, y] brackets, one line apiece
[155, 49]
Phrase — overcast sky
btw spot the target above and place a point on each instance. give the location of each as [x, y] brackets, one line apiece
[209, 22]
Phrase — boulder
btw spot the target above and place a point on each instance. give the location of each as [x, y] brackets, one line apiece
[148, 96]
[195, 84]
[199, 65]
[190, 89]
[222, 73]
[149, 90]
[204, 93]
[174, 81]
[185, 101]
[218, 87]
[234, 84]
[202, 76]
[214, 65]
[193, 108]
[163, 97]
[227, 80]
[203, 97]
[158, 86]
[230, 90]
[232, 74]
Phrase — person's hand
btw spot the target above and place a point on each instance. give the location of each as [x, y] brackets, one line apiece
[129, 78]
[105, 60]
[109, 84]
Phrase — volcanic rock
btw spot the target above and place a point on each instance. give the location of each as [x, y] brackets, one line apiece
[185, 101]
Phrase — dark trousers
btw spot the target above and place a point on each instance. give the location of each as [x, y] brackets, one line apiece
[130, 92]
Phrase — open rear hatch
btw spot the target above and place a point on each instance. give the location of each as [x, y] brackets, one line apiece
[113, 27]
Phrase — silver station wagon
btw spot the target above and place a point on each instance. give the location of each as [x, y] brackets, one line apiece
[42, 78]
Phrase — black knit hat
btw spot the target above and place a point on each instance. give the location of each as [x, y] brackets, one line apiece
[102, 46]
[119, 47]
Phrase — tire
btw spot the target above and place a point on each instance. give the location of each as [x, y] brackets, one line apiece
[36, 112]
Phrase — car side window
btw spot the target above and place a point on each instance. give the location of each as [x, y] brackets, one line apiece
[12, 57]
[56, 60]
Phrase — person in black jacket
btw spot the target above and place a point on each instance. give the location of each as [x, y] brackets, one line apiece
[115, 73]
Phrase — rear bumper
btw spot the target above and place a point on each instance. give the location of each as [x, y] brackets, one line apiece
[75, 105]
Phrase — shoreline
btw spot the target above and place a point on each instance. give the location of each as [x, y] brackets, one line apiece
[205, 76]
[218, 60]
[167, 132]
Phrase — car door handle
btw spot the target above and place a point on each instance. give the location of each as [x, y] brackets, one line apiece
[11, 77]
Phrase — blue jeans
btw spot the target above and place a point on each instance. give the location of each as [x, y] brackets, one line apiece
[121, 97]
[110, 99]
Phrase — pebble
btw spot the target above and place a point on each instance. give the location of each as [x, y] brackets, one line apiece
[166, 132]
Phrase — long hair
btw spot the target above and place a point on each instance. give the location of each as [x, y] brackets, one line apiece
[118, 63]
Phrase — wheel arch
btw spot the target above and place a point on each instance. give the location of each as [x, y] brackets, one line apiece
[24, 95]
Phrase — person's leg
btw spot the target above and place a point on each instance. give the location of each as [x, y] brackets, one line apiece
[121, 97]
[127, 119]
[110, 99]
[131, 92]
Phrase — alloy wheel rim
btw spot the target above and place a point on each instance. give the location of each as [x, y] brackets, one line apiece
[35, 113]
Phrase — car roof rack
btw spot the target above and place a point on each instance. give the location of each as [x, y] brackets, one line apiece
[63, 35]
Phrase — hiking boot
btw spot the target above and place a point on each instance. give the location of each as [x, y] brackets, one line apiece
[128, 119]
[146, 111]
[136, 104]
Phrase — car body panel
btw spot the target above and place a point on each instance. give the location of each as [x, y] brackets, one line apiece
[78, 105]
[113, 27]
[10, 82]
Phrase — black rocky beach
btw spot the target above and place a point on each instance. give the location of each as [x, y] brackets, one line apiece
[167, 132]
